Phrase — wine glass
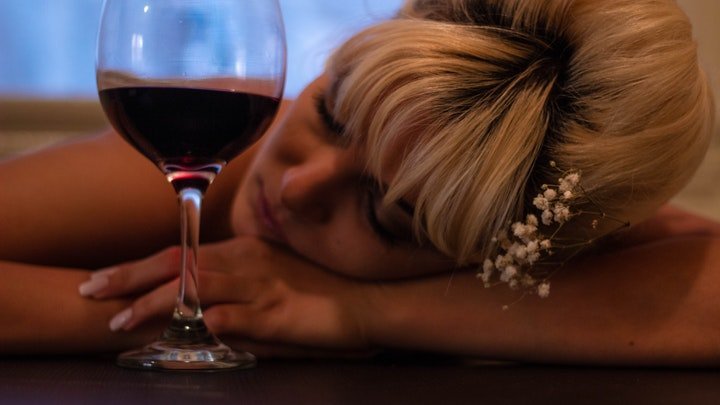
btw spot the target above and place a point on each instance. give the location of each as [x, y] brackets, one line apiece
[190, 84]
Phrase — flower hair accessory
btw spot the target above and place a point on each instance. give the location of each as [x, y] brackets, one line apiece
[523, 247]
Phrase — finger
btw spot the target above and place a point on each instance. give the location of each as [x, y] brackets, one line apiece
[133, 277]
[220, 288]
[159, 302]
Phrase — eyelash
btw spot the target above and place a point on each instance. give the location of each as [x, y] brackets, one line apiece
[326, 117]
[370, 196]
[373, 220]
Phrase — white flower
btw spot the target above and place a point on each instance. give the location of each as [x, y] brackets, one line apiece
[573, 178]
[562, 213]
[543, 289]
[503, 261]
[531, 220]
[519, 245]
[541, 203]
[547, 217]
[488, 266]
[550, 194]
[569, 182]
[488, 269]
[505, 243]
[532, 257]
[522, 230]
[518, 229]
[518, 251]
[508, 273]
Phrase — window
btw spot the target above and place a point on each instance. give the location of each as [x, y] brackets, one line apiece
[47, 58]
[48, 46]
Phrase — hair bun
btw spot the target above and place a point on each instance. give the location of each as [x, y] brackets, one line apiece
[489, 91]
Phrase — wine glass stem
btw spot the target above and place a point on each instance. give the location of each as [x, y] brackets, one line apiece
[188, 303]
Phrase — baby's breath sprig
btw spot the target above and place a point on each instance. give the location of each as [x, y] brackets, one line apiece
[522, 247]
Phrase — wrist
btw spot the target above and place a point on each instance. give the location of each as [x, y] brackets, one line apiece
[388, 313]
[365, 303]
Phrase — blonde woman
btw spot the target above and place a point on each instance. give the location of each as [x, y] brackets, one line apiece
[363, 217]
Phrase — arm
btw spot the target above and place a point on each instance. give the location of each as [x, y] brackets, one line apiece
[80, 205]
[71, 206]
[651, 300]
[652, 304]
[649, 304]
[86, 204]
[95, 202]
[42, 313]
[668, 222]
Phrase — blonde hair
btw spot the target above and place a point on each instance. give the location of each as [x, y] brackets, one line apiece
[489, 91]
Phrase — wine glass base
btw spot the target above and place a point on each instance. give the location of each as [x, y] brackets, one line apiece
[158, 356]
[186, 345]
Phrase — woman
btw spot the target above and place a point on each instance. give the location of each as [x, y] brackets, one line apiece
[359, 221]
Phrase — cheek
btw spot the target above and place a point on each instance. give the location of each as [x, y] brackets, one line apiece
[337, 245]
[350, 252]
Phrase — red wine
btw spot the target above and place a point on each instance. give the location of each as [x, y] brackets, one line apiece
[188, 130]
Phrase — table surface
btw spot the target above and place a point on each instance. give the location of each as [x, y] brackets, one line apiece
[405, 379]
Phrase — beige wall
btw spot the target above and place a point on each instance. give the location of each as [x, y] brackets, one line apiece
[705, 16]
[703, 193]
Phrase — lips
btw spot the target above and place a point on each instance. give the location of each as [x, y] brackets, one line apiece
[264, 212]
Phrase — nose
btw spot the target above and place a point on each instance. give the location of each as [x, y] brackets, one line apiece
[309, 189]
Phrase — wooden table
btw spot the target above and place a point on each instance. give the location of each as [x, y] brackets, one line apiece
[388, 380]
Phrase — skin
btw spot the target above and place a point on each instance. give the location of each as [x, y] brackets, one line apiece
[316, 193]
[316, 280]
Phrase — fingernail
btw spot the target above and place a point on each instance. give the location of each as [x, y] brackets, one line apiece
[95, 284]
[119, 320]
[106, 272]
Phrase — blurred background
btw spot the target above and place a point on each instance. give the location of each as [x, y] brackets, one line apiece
[47, 79]
[47, 61]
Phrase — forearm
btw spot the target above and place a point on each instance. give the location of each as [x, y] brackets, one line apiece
[88, 203]
[42, 312]
[651, 304]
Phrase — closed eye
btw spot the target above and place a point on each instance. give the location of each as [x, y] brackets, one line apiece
[328, 120]
[391, 223]
[370, 203]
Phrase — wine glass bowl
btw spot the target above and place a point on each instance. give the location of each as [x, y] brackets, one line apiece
[190, 84]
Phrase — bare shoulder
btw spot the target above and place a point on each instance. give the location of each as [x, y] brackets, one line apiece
[674, 244]
[670, 223]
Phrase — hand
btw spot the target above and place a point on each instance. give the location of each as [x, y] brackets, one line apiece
[257, 296]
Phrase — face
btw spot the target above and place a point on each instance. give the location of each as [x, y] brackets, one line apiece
[309, 191]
